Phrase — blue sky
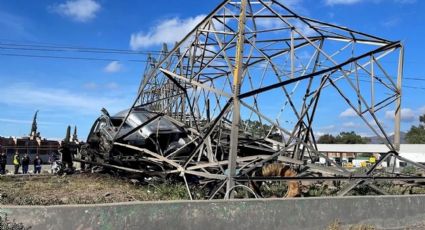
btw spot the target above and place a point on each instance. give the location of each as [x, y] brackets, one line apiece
[72, 92]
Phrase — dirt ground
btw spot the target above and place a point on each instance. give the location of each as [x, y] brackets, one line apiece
[88, 188]
[81, 189]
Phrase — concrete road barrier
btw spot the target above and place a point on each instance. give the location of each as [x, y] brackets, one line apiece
[384, 212]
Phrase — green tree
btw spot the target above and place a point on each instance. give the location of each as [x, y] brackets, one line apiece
[259, 130]
[326, 139]
[343, 138]
[416, 134]
[256, 128]
[351, 138]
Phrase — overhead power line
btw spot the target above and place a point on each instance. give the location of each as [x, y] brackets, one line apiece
[403, 86]
[58, 48]
[67, 57]
[62, 48]
[71, 48]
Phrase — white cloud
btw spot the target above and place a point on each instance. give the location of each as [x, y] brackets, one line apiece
[291, 3]
[90, 85]
[304, 29]
[113, 67]
[405, 1]
[349, 125]
[112, 85]
[78, 10]
[295, 5]
[319, 134]
[391, 22]
[168, 31]
[273, 23]
[422, 110]
[17, 121]
[407, 115]
[348, 113]
[15, 25]
[96, 86]
[325, 129]
[27, 95]
[269, 22]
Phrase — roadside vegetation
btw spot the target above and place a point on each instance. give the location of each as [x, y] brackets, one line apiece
[336, 225]
[83, 189]
[103, 188]
[8, 224]
[416, 134]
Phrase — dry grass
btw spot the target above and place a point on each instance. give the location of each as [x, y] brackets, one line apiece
[336, 225]
[103, 188]
[82, 189]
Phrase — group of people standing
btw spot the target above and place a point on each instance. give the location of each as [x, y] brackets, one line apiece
[17, 162]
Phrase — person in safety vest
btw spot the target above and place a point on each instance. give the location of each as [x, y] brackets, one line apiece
[16, 162]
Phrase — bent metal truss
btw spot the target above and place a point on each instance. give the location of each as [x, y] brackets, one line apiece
[249, 81]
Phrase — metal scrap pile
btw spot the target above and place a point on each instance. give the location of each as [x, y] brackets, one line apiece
[241, 91]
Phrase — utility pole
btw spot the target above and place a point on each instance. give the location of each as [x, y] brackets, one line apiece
[237, 76]
[398, 102]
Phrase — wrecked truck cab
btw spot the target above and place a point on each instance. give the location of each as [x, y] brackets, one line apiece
[162, 129]
[143, 129]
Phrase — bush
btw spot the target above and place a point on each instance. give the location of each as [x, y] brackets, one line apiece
[336, 225]
[7, 224]
[410, 170]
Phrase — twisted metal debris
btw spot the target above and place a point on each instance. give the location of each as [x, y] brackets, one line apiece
[243, 89]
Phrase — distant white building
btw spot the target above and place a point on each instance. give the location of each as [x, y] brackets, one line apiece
[413, 152]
